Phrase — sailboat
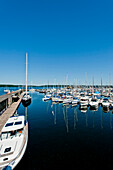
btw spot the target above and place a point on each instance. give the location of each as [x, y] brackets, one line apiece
[26, 100]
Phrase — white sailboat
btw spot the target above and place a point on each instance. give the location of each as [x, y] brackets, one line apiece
[26, 100]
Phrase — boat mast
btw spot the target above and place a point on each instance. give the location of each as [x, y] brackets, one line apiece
[26, 72]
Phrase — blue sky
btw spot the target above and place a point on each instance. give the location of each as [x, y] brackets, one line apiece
[60, 36]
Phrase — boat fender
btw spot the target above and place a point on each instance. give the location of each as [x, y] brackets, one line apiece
[8, 168]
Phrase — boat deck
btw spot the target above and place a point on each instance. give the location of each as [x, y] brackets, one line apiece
[24, 141]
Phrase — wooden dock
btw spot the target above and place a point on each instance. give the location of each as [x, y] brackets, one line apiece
[5, 96]
[9, 112]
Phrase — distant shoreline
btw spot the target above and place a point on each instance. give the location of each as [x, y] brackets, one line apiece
[81, 86]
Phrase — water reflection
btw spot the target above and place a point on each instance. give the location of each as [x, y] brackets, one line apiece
[94, 109]
[83, 109]
[101, 119]
[94, 119]
[86, 119]
[75, 118]
[26, 113]
[111, 120]
[68, 135]
[105, 109]
[53, 106]
[65, 113]
[75, 113]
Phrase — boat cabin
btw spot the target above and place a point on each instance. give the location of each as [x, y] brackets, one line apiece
[14, 127]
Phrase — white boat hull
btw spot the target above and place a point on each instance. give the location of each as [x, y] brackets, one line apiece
[14, 162]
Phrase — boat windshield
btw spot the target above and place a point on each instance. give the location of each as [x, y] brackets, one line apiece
[84, 100]
[18, 123]
[9, 124]
[105, 101]
[93, 100]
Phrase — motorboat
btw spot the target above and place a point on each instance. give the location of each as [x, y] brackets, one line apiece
[75, 100]
[84, 101]
[7, 91]
[15, 98]
[46, 97]
[105, 103]
[54, 99]
[32, 90]
[94, 102]
[57, 99]
[67, 101]
[13, 142]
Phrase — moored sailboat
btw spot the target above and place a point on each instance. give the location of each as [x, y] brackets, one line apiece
[26, 100]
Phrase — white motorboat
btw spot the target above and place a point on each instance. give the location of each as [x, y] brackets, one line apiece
[84, 101]
[75, 101]
[94, 102]
[67, 101]
[105, 103]
[54, 99]
[46, 97]
[13, 142]
[57, 99]
[7, 91]
[32, 90]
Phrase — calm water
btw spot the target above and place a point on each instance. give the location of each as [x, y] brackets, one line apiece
[64, 136]
[61, 137]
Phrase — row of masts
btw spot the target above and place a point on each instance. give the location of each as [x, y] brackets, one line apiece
[76, 82]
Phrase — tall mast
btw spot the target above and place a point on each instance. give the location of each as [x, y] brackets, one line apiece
[67, 80]
[85, 80]
[26, 72]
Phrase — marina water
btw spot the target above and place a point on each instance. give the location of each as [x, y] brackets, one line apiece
[63, 136]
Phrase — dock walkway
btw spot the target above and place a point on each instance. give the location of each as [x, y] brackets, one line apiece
[5, 96]
[9, 112]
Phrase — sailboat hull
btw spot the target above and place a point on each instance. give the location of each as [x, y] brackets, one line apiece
[26, 102]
